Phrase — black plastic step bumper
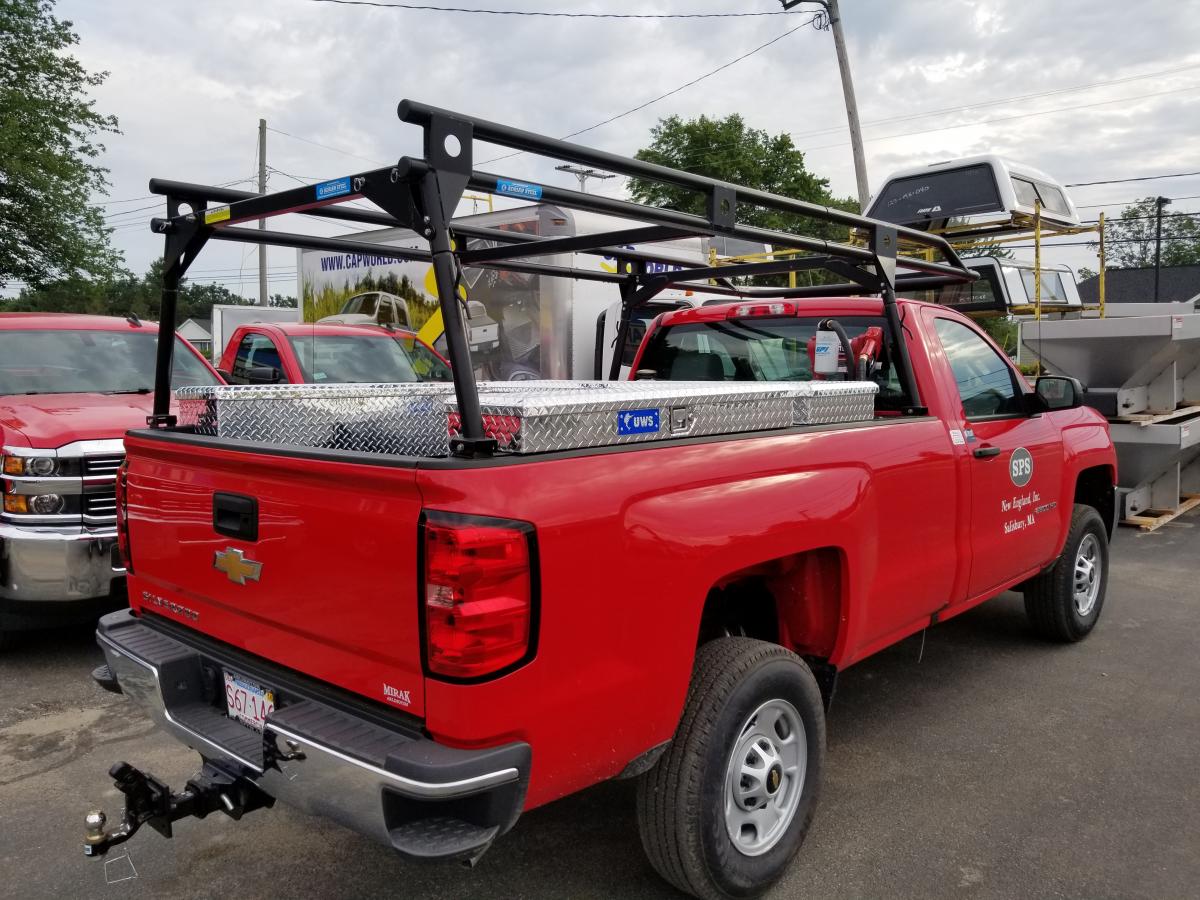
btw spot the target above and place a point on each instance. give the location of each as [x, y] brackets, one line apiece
[392, 784]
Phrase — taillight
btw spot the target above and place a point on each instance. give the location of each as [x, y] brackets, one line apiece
[478, 594]
[123, 519]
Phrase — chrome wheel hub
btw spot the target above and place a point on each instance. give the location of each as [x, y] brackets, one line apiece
[1086, 584]
[765, 777]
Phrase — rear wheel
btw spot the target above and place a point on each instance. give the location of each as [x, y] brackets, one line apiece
[728, 805]
[1064, 602]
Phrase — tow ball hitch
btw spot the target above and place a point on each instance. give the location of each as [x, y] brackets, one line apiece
[149, 801]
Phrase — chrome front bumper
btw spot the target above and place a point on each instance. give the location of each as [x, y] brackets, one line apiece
[51, 565]
[391, 784]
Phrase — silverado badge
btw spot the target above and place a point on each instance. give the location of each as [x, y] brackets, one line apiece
[236, 566]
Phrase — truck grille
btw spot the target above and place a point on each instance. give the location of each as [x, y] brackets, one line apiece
[100, 506]
[99, 496]
[102, 465]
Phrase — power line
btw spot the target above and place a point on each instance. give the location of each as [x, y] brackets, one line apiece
[137, 209]
[1001, 100]
[1110, 221]
[1130, 202]
[296, 137]
[1127, 180]
[1044, 112]
[689, 159]
[1107, 243]
[417, 7]
[669, 93]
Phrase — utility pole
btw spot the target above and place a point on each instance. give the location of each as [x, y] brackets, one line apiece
[834, 22]
[583, 175]
[263, 299]
[1159, 203]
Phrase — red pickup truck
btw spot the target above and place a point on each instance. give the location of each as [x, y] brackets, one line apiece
[70, 386]
[298, 353]
[653, 579]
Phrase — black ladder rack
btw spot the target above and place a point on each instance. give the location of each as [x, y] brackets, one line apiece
[422, 194]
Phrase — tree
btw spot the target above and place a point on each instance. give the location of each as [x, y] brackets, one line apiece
[1130, 237]
[122, 294]
[48, 148]
[727, 149]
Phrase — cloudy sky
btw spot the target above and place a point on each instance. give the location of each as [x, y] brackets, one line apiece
[1088, 90]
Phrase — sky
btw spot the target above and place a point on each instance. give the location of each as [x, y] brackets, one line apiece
[1087, 91]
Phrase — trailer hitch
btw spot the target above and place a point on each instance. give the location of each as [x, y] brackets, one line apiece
[149, 801]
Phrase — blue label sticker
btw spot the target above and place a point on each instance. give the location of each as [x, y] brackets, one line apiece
[335, 188]
[637, 421]
[519, 189]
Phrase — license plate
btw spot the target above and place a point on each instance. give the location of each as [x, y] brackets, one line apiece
[247, 702]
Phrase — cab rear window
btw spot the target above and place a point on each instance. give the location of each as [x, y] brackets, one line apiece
[758, 349]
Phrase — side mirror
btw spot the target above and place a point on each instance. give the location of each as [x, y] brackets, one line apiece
[263, 375]
[1059, 392]
[226, 375]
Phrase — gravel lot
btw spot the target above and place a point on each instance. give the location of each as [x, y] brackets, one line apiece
[995, 766]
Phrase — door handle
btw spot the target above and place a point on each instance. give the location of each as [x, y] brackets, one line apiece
[986, 452]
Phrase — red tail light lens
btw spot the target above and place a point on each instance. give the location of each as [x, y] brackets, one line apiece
[478, 591]
[123, 519]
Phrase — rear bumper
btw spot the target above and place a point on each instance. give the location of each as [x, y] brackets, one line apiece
[385, 781]
[48, 565]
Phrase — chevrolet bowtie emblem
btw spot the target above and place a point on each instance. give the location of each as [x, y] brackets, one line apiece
[236, 566]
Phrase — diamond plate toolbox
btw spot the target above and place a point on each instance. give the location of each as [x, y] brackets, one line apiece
[610, 413]
[523, 416]
[396, 419]
[400, 419]
[827, 402]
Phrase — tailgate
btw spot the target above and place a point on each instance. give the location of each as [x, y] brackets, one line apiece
[327, 587]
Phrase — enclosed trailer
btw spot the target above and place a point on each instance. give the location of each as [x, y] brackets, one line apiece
[548, 327]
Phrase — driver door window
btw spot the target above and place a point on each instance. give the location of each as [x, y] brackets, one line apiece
[257, 351]
[241, 362]
[984, 379]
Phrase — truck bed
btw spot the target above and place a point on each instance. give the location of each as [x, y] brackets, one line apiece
[629, 542]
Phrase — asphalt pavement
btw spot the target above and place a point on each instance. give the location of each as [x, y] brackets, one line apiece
[990, 765]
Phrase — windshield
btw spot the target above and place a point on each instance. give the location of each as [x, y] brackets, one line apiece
[363, 305]
[346, 359]
[90, 362]
[759, 349]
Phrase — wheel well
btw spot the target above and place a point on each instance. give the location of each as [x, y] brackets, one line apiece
[1094, 488]
[795, 601]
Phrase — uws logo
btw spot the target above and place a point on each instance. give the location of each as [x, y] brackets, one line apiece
[395, 695]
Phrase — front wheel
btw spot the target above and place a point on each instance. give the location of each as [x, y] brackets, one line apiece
[1064, 602]
[727, 806]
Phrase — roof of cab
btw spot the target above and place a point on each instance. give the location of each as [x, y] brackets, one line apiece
[803, 307]
[307, 329]
[71, 322]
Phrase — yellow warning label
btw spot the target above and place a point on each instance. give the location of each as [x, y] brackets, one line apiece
[219, 214]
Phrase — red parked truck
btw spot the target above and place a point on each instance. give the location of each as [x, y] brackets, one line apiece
[658, 579]
[70, 386]
[299, 353]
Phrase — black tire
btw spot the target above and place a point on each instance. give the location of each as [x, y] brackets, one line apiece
[681, 801]
[8, 640]
[1050, 597]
